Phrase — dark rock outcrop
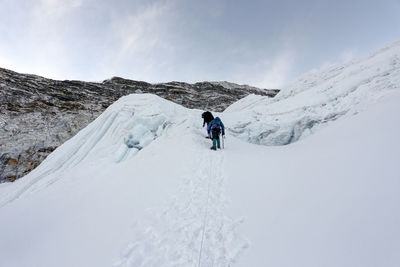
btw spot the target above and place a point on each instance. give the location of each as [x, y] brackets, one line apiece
[38, 114]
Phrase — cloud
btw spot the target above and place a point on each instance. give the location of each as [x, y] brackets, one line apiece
[70, 39]
[142, 31]
[276, 75]
[139, 44]
[55, 8]
[273, 69]
[343, 57]
[266, 72]
[163, 40]
[146, 40]
[38, 41]
[348, 55]
[216, 8]
[6, 63]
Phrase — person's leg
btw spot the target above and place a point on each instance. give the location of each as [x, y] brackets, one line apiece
[218, 142]
[214, 144]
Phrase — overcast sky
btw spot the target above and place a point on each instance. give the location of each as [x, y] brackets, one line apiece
[263, 43]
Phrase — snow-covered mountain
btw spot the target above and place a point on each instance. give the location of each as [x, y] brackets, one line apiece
[37, 114]
[316, 98]
[139, 186]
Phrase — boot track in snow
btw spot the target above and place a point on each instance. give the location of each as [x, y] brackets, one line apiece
[193, 229]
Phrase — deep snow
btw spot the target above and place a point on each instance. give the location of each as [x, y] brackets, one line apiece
[140, 187]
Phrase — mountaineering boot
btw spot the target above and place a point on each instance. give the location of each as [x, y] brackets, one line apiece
[213, 148]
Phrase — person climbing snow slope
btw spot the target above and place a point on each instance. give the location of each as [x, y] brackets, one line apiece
[207, 118]
[215, 128]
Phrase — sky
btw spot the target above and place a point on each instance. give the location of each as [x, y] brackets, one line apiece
[262, 43]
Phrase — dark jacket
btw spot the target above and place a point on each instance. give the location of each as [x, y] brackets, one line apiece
[215, 123]
[207, 116]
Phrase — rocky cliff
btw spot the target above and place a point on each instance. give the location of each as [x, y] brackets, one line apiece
[38, 114]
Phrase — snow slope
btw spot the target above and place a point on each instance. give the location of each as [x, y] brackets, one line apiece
[95, 197]
[315, 99]
[331, 199]
[140, 187]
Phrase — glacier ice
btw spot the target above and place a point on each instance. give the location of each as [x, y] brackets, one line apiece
[315, 99]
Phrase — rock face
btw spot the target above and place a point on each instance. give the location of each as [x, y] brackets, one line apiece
[38, 114]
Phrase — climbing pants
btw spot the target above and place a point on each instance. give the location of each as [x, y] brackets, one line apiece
[216, 142]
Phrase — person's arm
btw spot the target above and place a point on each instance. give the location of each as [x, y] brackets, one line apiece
[223, 128]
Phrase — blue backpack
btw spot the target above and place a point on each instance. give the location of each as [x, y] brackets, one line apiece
[215, 125]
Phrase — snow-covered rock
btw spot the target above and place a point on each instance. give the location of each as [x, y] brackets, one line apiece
[315, 99]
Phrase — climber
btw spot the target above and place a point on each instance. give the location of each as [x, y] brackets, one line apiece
[207, 118]
[215, 128]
